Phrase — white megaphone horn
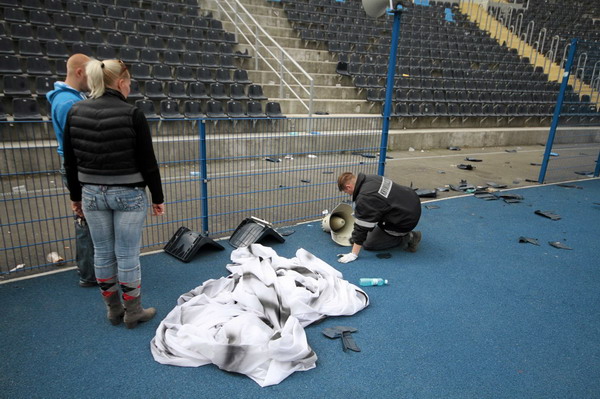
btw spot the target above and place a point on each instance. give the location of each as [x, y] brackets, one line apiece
[376, 8]
[339, 223]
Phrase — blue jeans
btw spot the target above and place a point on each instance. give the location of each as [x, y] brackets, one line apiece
[116, 216]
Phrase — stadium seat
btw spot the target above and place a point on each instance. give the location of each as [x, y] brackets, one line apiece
[43, 84]
[273, 110]
[214, 109]
[135, 92]
[217, 91]
[197, 90]
[105, 52]
[26, 109]
[223, 76]
[255, 92]
[237, 92]
[154, 90]
[38, 66]
[169, 109]
[177, 90]
[235, 109]
[254, 110]
[205, 75]
[241, 76]
[147, 107]
[193, 110]
[16, 85]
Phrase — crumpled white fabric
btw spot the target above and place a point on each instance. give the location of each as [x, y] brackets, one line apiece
[252, 321]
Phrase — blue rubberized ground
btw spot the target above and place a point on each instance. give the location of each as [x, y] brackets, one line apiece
[473, 314]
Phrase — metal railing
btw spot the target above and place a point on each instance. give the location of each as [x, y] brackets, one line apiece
[215, 173]
[251, 30]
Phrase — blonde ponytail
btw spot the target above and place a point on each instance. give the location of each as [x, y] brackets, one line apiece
[103, 74]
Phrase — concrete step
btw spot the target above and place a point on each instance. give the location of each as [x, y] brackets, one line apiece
[328, 79]
[331, 106]
[321, 92]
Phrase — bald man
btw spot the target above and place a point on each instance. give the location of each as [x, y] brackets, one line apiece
[62, 98]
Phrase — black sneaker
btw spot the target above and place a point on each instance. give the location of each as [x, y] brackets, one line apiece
[85, 284]
[413, 241]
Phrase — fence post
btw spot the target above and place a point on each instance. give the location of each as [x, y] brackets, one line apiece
[203, 177]
[387, 108]
[557, 109]
[597, 171]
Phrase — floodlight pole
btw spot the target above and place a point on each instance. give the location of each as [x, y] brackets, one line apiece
[389, 89]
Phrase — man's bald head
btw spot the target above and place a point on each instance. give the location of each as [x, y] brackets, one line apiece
[76, 76]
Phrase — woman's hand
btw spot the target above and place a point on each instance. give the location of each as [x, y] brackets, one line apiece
[158, 209]
[76, 207]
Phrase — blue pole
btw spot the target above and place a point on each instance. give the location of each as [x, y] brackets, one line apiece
[597, 171]
[203, 177]
[556, 116]
[389, 89]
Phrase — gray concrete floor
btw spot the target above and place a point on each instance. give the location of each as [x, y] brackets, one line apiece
[429, 169]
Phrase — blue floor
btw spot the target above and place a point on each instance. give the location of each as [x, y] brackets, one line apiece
[473, 314]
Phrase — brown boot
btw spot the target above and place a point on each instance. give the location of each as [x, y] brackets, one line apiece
[134, 313]
[413, 241]
[114, 307]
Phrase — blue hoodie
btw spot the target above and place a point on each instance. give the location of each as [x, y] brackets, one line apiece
[62, 99]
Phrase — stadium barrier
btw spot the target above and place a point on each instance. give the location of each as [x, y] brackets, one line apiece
[215, 174]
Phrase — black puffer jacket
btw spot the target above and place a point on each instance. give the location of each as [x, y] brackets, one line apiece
[380, 201]
[107, 142]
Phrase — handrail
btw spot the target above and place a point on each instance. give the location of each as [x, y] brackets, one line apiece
[259, 45]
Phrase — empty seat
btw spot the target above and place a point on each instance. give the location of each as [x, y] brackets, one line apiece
[237, 92]
[43, 84]
[107, 25]
[204, 75]
[38, 66]
[15, 85]
[193, 110]
[241, 76]
[169, 109]
[130, 55]
[177, 90]
[140, 71]
[191, 59]
[223, 76]
[171, 58]
[185, 74]
[29, 47]
[115, 39]
[214, 109]
[217, 91]
[210, 61]
[105, 52]
[46, 34]
[254, 110]
[56, 50]
[82, 48]
[273, 110]
[197, 90]
[70, 35]
[20, 31]
[235, 109]
[162, 72]
[154, 90]
[136, 41]
[39, 17]
[134, 90]
[148, 56]
[147, 107]
[26, 109]
[255, 93]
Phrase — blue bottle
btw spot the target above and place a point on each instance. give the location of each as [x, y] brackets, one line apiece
[370, 281]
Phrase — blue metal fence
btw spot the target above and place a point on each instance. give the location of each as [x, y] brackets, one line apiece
[215, 174]
[573, 146]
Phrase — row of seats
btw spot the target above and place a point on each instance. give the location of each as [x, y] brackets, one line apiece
[179, 16]
[15, 85]
[193, 67]
[32, 109]
[144, 35]
[157, 5]
[473, 96]
[174, 56]
[440, 109]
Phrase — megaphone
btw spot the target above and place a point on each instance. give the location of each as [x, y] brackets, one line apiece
[339, 223]
[376, 8]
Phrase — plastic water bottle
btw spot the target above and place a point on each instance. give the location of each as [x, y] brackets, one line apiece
[369, 281]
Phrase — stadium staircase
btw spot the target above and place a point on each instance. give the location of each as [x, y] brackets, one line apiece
[332, 94]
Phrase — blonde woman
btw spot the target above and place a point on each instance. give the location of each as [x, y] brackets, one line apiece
[109, 161]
